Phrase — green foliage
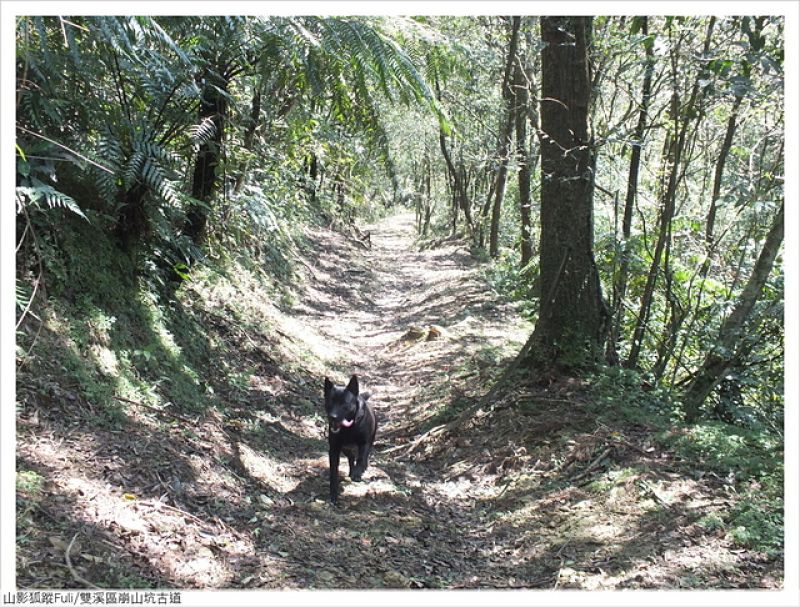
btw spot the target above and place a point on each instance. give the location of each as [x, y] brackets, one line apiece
[30, 483]
[449, 407]
[620, 393]
[750, 459]
[519, 284]
[712, 522]
[752, 462]
[756, 522]
[729, 450]
[29, 488]
[35, 176]
[128, 85]
[38, 192]
[109, 123]
[109, 334]
[613, 478]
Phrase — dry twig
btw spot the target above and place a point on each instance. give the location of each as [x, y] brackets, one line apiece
[593, 465]
[74, 573]
[416, 442]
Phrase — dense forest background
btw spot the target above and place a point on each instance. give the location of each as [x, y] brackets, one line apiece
[617, 183]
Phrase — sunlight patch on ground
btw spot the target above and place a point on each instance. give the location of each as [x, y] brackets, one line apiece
[375, 480]
[156, 529]
[463, 489]
[371, 485]
[105, 358]
[604, 531]
[318, 346]
[309, 426]
[266, 470]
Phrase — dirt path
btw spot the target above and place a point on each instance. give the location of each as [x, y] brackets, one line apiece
[405, 526]
[379, 299]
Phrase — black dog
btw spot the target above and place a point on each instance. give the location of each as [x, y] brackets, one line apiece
[351, 428]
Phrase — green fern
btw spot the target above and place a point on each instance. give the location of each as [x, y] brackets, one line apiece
[38, 192]
[152, 150]
[109, 151]
[155, 178]
[203, 132]
[133, 169]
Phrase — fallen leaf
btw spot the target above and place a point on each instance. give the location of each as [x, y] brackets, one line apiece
[58, 543]
[326, 576]
[396, 580]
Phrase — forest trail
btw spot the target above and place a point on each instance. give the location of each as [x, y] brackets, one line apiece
[409, 323]
[380, 308]
[467, 488]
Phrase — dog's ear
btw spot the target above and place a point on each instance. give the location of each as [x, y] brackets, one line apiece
[352, 387]
[365, 396]
[328, 387]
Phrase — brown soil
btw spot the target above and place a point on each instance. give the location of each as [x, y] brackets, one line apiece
[518, 488]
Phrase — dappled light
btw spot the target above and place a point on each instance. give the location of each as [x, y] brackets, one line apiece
[519, 277]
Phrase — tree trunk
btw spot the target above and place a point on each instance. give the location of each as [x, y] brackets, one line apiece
[503, 144]
[676, 312]
[505, 137]
[621, 279]
[524, 161]
[724, 351]
[133, 226]
[572, 315]
[722, 157]
[452, 178]
[674, 155]
[205, 180]
[313, 175]
[428, 200]
[458, 191]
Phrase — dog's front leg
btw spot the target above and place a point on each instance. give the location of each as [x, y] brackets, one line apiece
[333, 457]
[361, 462]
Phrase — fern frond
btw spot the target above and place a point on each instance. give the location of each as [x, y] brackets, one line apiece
[133, 169]
[33, 195]
[153, 150]
[203, 132]
[155, 178]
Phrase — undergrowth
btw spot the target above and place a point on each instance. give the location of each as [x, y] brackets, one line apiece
[748, 459]
[520, 284]
[109, 333]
